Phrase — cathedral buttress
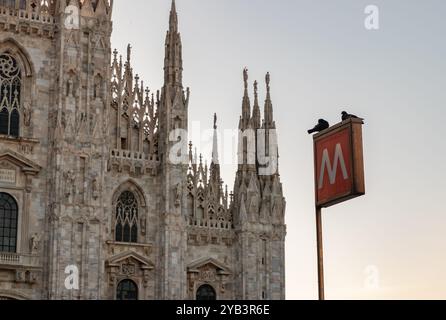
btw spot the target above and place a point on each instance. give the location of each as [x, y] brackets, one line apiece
[78, 148]
[173, 111]
[259, 204]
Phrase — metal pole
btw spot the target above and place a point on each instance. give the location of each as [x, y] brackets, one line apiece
[320, 254]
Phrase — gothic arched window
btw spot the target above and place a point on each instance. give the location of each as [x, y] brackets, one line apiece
[127, 218]
[127, 290]
[206, 293]
[10, 95]
[8, 223]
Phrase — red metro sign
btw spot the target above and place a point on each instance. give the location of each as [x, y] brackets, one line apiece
[339, 164]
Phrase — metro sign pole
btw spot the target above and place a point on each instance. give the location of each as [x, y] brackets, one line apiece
[339, 175]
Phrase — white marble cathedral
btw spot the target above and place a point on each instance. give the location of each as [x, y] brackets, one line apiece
[91, 207]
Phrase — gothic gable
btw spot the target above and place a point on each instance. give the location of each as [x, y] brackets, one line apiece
[27, 166]
[130, 257]
[209, 263]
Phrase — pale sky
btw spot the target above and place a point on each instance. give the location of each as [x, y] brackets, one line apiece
[322, 60]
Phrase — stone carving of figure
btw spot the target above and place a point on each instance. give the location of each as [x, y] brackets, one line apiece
[20, 276]
[245, 74]
[70, 87]
[268, 79]
[64, 120]
[27, 114]
[97, 88]
[95, 189]
[96, 91]
[178, 194]
[70, 180]
[254, 208]
[35, 243]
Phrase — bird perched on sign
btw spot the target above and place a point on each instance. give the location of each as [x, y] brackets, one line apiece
[347, 116]
[321, 126]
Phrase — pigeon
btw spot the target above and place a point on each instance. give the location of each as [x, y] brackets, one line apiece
[321, 126]
[347, 116]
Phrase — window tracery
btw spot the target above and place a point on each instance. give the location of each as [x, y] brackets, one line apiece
[10, 95]
[126, 229]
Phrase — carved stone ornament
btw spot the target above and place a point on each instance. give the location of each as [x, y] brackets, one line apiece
[128, 269]
[178, 194]
[207, 274]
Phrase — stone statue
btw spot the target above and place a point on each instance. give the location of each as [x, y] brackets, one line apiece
[95, 189]
[143, 224]
[178, 194]
[35, 243]
[63, 119]
[70, 87]
[70, 180]
[245, 74]
[27, 114]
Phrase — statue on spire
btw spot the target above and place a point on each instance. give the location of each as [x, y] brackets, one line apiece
[129, 52]
[268, 81]
[245, 76]
[215, 144]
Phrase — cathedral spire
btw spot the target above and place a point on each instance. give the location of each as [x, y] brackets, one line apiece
[173, 20]
[215, 178]
[215, 143]
[269, 117]
[173, 61]
[129, 52]
[256, 109]
[128, 71]
[246, 104]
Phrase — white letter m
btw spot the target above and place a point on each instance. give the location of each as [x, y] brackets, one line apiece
[332, 171]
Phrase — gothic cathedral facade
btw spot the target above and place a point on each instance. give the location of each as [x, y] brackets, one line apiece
[91, 207]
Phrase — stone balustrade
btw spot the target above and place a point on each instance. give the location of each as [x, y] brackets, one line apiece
[19, 259]
[147, 163]
[28, 15]
[210, 223]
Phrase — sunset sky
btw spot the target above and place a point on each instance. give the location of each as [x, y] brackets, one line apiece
[322, 60]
